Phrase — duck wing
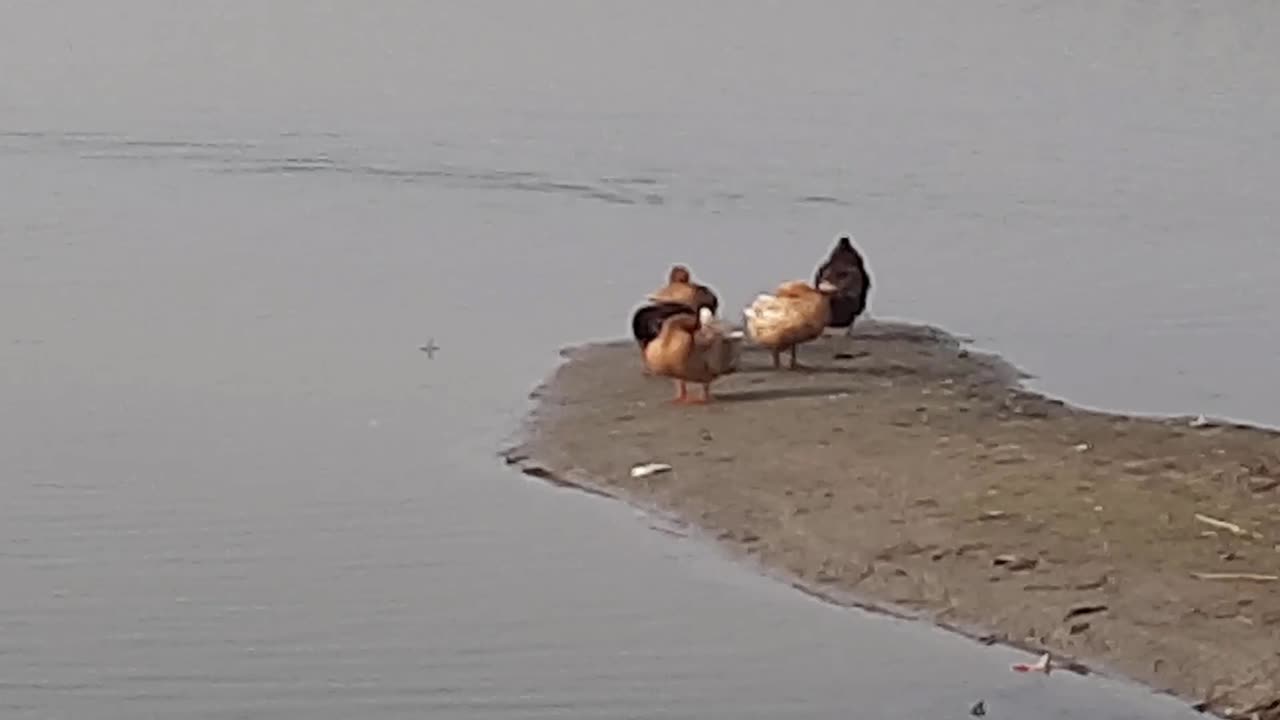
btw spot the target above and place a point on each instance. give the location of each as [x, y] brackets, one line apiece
[768, 309]
[718, 347]
[647, 321]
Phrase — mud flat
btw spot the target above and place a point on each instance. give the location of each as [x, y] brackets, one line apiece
[905, 473]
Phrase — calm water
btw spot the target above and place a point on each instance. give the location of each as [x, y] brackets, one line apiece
[233, 488]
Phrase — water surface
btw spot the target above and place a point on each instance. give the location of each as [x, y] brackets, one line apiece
[233, 486]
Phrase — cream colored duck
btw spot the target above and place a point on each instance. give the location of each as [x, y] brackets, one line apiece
[794, 314]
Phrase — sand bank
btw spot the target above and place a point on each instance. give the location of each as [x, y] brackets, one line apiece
[905, 472]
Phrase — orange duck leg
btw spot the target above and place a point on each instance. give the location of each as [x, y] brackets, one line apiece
[706, 392]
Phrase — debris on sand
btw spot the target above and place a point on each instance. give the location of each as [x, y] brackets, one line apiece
[648, 469]
[1043, 665]
[1086, 609]
[1250, 577]
[1231, 527]
[1014, 563]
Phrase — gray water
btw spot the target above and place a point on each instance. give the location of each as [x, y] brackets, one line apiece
[233, 488]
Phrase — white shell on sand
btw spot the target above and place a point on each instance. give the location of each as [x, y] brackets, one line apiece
[647, 469]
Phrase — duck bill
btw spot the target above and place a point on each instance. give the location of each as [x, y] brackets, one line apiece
[827, 287]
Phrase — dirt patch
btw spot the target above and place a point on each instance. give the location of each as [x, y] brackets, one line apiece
[906, 471]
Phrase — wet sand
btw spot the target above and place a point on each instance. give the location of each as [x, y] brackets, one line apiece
[903, 472]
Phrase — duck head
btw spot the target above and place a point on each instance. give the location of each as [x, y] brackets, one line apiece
[705, 299]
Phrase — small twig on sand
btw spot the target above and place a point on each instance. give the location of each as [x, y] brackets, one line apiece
[1253, 577]
[1228, 526]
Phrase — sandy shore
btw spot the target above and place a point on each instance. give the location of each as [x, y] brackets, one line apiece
[907, 473]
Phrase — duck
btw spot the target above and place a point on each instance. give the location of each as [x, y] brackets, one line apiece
[680, 288]
[845, 269]
[692, 348]
[793, 314]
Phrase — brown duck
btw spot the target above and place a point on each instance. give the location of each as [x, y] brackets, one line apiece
[691, 348]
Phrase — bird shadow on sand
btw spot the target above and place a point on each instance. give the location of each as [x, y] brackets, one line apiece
[778, 393]
[826, 368]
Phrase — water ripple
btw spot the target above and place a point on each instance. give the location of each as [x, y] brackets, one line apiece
[264, 158]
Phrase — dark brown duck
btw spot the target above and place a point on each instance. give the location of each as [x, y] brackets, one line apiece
[846, 270]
